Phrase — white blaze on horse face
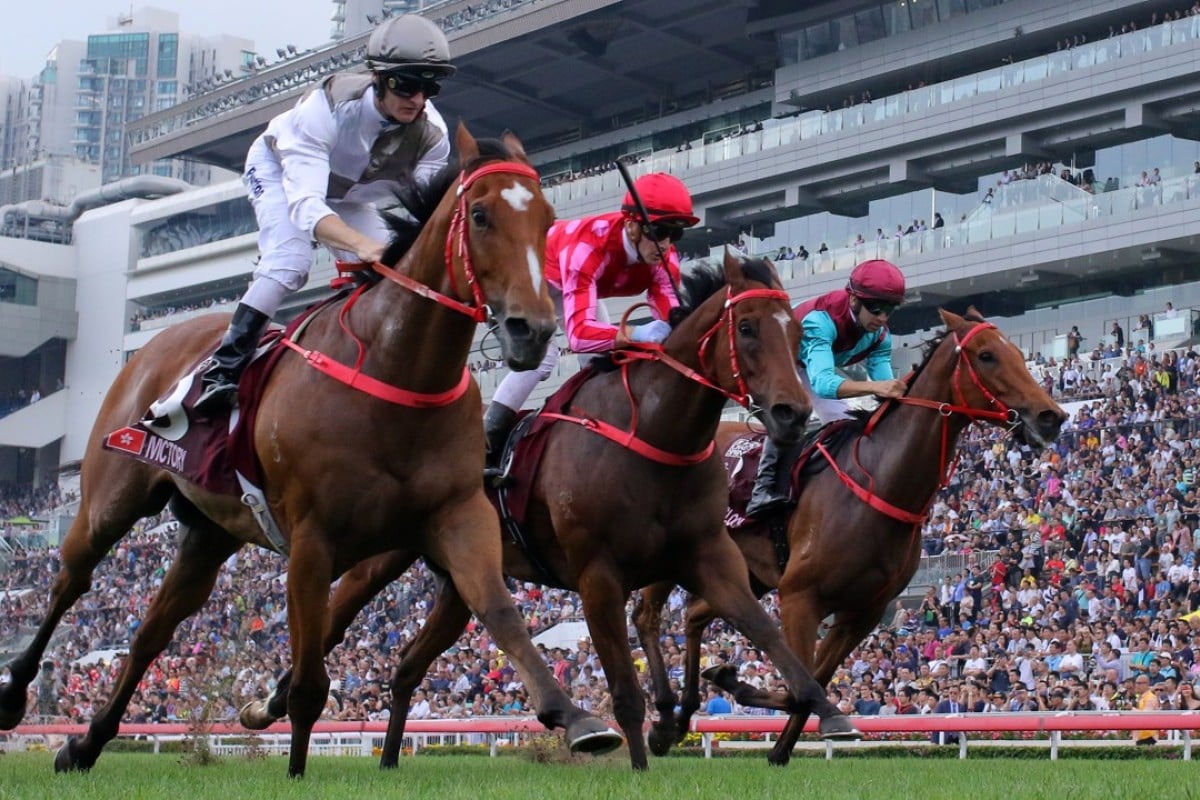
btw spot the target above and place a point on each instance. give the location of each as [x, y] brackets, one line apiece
[784, 318]
[517, 196]
[535, 268]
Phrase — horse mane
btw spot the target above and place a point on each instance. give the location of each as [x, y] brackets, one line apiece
[417, 202]
[707, 278]
[857, 422]
[930, 345]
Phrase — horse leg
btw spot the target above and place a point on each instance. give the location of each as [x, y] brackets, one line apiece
[647, 617]
[310, 573]
[800, 617]
[699, 615]
[841, 640]
[603, 601]
[724, 582]
[188, 583]
[446, 622]
[468, 545]
[92, 535]
[355, 589]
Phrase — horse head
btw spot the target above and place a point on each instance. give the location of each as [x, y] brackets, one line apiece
[749, 348]
[990, 376]
[498, 243]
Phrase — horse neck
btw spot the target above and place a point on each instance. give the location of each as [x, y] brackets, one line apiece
[410, 340]
[676, 412]
[915, 435]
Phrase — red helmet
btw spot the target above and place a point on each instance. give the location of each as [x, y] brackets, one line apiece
[877, 280]
[665, 197]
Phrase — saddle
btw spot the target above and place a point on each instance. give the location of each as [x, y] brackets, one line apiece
[217, 454]
[520, 462]
[741, 459]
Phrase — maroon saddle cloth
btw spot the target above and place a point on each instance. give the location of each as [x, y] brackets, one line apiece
[209, 452]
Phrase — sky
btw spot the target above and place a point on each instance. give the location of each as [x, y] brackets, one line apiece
[31, 29]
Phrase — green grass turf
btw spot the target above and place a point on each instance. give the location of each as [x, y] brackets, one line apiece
[165, 777]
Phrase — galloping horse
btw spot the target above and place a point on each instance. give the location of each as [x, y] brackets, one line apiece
[853, 541]
[629, 492]
[348, 474]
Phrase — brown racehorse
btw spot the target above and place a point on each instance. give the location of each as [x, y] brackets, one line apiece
[607, 518]
[851, 551]
[348, 475]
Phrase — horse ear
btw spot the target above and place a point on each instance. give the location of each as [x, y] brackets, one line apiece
[515, 148]
[464, 142]
[951, 320]
[973, 314]
[733, 267]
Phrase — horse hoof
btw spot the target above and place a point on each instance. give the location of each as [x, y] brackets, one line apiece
[660, 741]
[254, 716]
[839, 728]
[65, 759]
[722, 675]
[590, 735]
[11, 717]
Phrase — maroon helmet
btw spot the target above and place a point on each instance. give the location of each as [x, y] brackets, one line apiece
[877, 280]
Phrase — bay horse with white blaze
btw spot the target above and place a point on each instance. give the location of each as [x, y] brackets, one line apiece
[348, 474]
[629, 491]
[853, 540]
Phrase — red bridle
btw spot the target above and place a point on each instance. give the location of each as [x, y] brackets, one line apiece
[455, 235]
[998, 412]
[654, 352]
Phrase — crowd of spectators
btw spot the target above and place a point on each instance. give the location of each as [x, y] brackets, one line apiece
[19, 398]
[1078, 578]
[215, 304]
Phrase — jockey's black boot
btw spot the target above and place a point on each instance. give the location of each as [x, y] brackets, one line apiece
[498, 422]
[772, 485]
[220, 380]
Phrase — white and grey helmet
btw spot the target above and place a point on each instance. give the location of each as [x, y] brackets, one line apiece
[411, 45]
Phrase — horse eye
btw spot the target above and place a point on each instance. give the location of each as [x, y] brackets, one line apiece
[479, 217]
[745, 328]
[987, 356]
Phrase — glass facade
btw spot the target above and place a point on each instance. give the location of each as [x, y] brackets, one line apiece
[17, 288]
[871, 24]
[213, 223]
[168, 55]
[120, 53]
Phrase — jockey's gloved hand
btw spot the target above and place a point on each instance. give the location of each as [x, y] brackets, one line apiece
[655, 331]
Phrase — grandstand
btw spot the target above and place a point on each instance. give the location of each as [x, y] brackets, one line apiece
[1057, 145]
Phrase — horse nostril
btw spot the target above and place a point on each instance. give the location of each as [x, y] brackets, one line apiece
[1049, 421]
[789, 415]
[517, 329]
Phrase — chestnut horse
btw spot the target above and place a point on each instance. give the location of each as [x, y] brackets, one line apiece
[854, 538]
[633, 494]
[348, 474]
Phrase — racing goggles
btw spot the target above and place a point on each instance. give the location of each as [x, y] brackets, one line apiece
[879, 308]
[406, 87]
[659, 231]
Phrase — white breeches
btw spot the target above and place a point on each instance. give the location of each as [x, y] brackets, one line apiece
[285, 251]
[516, 387]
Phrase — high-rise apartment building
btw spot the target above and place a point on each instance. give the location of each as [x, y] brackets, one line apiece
[87, 92]
[352, 17]
[143, 65]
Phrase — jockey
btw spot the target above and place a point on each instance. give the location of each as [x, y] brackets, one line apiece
[319, 170]
[611, 255]
[843, 327]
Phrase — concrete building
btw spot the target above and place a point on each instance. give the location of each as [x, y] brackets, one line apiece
[793, 124]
